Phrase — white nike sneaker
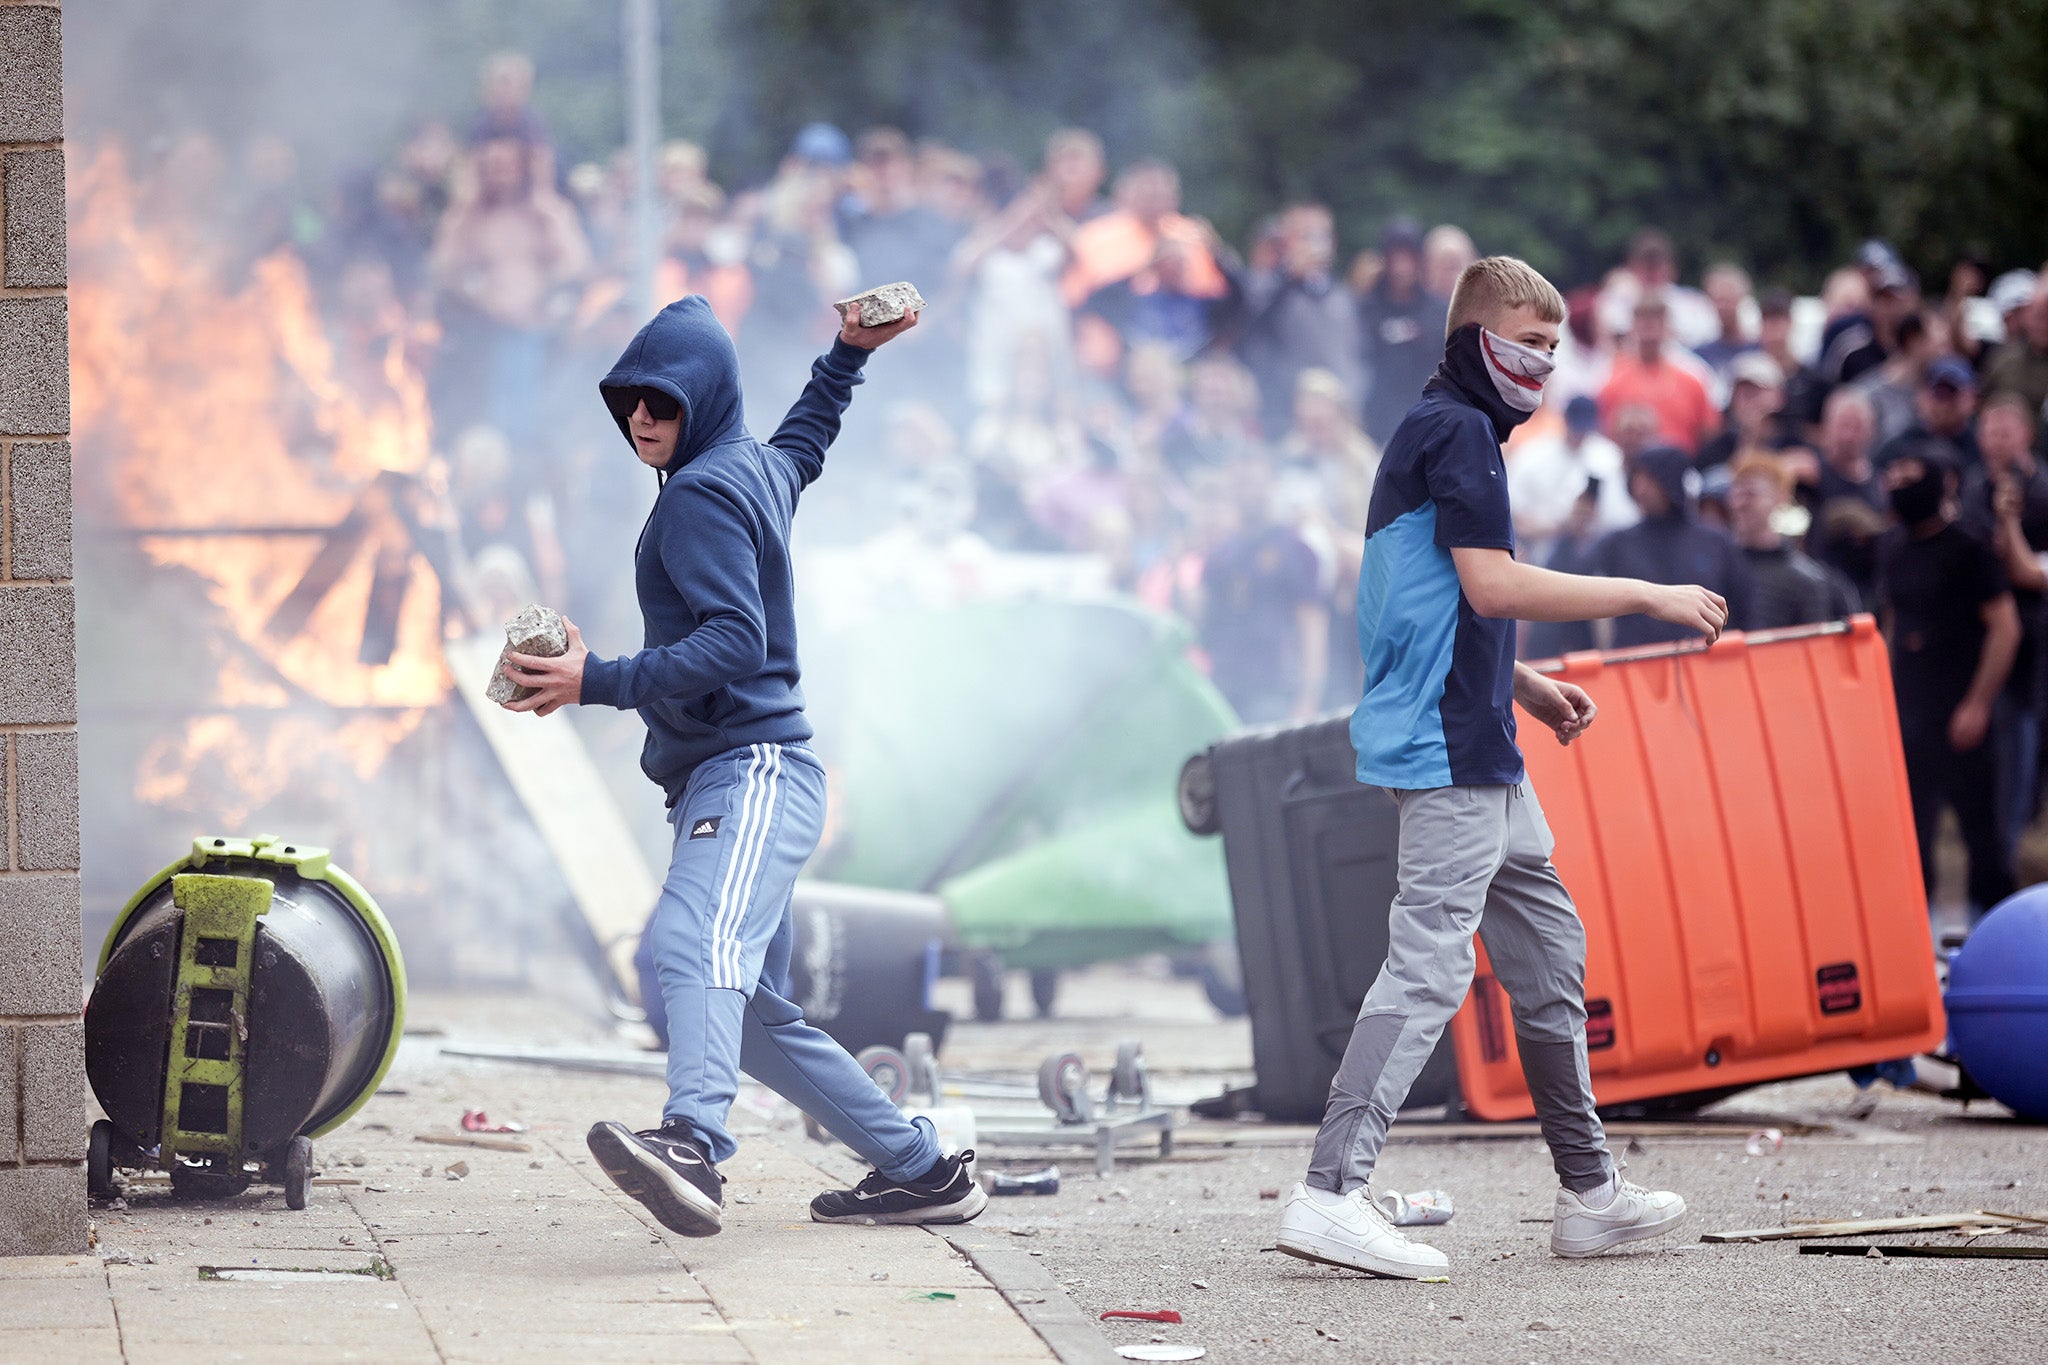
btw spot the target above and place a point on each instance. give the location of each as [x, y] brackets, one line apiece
[1355, 1234]
[1635, 1213]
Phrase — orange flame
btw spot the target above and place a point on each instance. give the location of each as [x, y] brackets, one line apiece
[200, 407]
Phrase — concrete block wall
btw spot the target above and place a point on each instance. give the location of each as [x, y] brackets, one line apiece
[42, 1042]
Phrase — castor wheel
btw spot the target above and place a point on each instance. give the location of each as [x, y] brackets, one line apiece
[985, 971]
[1045, 988]
[298, 1172]
[1063, 1086]
[888, 1069]
[99, 1161]
[1196, 795]
[1130, 1082]
[924, 1069]
[206, 1180]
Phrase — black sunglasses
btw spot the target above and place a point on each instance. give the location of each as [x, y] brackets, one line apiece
[662, 407]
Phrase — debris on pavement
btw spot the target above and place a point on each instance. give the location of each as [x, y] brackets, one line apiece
[1269, 1194]
[1422, 1209]
[1540, 1325]
[1143, 1314]
[1161, 1350]
[477, 1121]
[458, 1171]
[930, 1296]
[1764, 1142]
[1973, 1251]
[1859, 1227]
[1046, 1181]
[490, 1144]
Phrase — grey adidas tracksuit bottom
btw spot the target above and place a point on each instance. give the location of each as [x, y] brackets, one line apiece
[1471, 859]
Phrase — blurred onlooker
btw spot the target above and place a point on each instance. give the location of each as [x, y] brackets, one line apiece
[1787, 587]
[1804, 390]
[1401, 329]
[1326, 467]
[1948, 612]
[1548, 475]
[1670, 545]
[2006, 499]
[1114, 246]
[689, 267]
[1756, 393]
[505, 260]
[799, 265]
[1571, 550]
[1262, 617]
[1651, 271]
[1726, 286]
[1861, 342]
[1221, 425]
[1944, 409]
[1446, 250]
[506, 86]
[1846, 497]
[1156, 383]
[1161, 303]
[1893, 388]
[1074, 172]
[1010, 267]
[1645, 373]
[1299, 316]
[892, 234]
[2019, 364]
[1020, 447]
[1585, 353]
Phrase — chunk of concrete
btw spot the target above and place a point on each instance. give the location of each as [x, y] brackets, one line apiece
[879, 307]
[535, 630]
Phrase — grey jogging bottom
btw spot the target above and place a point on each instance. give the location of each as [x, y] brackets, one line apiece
[1471, 859]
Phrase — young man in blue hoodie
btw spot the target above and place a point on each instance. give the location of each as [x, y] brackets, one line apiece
[716, 683]
[1438, 596]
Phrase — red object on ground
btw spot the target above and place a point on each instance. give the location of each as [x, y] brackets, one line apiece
[477, 1121]
[1737, 834]
[1156, 1315]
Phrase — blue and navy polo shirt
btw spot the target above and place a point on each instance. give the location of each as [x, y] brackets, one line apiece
[1438, 709]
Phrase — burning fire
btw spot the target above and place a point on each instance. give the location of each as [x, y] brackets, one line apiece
[219, 426]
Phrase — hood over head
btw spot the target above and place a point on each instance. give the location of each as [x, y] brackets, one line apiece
[1669, 466]
[686, 353]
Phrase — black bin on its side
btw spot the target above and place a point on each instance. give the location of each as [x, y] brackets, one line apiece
[1311, 860]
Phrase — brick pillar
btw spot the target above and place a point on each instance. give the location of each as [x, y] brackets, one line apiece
[42, 1042]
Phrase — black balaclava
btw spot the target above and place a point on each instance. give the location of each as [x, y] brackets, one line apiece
[1915, 502]
[1668, 465]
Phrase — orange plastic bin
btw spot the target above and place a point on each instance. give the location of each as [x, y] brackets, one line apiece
[1736, 831]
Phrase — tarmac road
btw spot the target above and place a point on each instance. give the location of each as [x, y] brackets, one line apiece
[1144, 1237]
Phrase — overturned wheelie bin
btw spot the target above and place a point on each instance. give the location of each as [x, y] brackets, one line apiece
[249, 998]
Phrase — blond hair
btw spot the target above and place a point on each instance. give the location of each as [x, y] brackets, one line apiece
[1495, 285]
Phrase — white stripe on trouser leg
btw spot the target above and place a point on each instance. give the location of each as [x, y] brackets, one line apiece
[750, 790]
[751, 877]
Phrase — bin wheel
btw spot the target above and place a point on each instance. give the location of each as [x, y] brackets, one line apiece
[298, 1172]
[1223, 980]
[1063, 1086]
[923, 1071]
[986, 972]
[99, 1161]
[888, 1069]
[1045, 988]
[1197, 794]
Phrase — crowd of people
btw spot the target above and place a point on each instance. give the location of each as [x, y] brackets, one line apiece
[1101, 374]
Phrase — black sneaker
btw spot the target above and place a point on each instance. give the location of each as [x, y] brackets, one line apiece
[666, 1170]
[945, 1194]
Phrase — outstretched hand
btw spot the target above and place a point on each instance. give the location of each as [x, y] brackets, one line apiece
[557, 682]
[1690, 606]
[867, 338]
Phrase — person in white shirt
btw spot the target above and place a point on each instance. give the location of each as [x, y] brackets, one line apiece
[1546, 477]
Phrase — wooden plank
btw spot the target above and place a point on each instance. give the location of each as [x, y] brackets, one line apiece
[552, 773]
[1862, 1227]
[489, 1144]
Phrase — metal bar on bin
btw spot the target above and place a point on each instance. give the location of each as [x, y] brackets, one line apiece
[1752, 637]
[203, 1075]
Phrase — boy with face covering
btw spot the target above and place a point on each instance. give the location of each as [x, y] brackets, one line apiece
[1438, 596]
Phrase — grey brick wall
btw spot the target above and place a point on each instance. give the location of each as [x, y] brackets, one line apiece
[43, 1106]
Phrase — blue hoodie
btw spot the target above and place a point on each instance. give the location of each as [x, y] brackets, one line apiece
[719, 667]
